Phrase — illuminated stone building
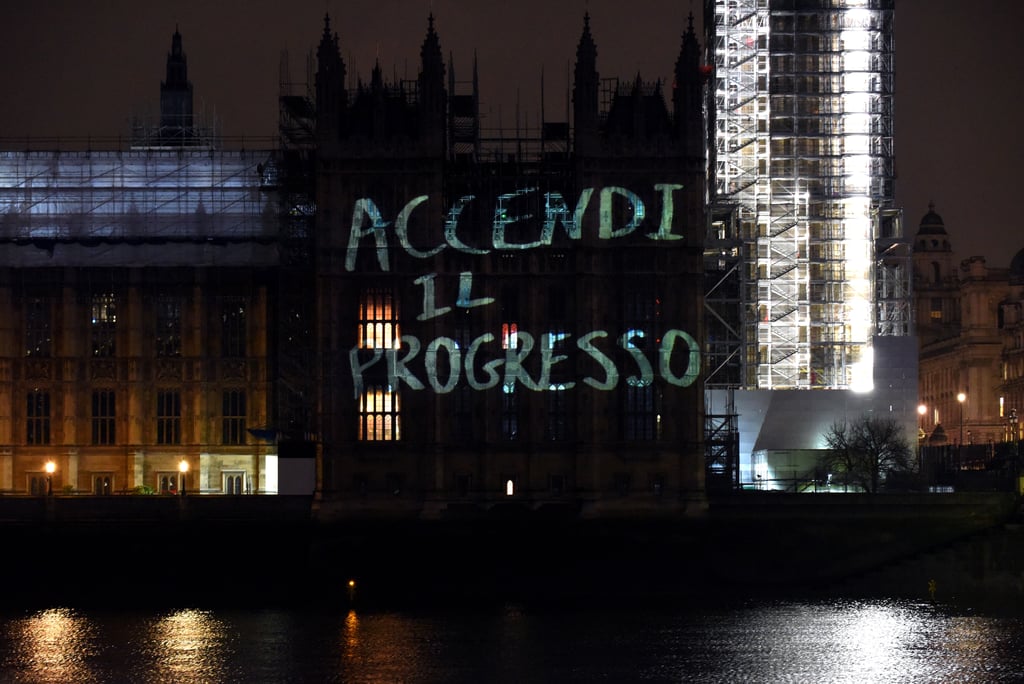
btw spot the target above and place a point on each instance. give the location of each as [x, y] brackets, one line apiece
[509, 322]
[139, 290]
[969, 327]
[809, 273]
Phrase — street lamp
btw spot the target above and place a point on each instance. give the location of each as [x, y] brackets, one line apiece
[1014, 420]
[922, 435]
[50, 469]
[183, 468]
[961, 398]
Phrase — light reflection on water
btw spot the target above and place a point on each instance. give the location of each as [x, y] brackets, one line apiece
[848, 641]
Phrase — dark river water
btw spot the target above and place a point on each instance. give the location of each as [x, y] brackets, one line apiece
[845, 641]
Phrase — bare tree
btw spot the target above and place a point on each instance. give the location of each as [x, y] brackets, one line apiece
[867, 450]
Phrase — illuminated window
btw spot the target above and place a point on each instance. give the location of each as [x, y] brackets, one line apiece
[378, 321]
[509, 318]
[379, 418]
[103, 417]
[509, 335]
[168, 417]
[168, 326]
[103, 325]
[37, 327]
[510, 487]
[936, 310]
[37, 428]
[233, 415]
[379, 403]
[233, 328]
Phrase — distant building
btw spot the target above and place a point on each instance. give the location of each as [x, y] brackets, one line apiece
[140, 291]
[968, 324]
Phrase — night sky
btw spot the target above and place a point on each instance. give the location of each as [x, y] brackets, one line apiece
[77, 68]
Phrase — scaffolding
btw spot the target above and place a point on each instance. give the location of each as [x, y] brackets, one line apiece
[290, 179]
[135, 195]
[804, 162]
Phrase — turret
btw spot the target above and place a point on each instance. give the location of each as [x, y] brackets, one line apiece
[431, 79]
[176, 96]
[687, 102]
[330, 84]
[585, 91]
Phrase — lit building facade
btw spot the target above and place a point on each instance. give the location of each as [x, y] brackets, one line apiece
[802, 190]
[969, 329]
[140, 291]
[509, 323]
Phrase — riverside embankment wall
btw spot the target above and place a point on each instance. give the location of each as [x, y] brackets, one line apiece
[259, 550]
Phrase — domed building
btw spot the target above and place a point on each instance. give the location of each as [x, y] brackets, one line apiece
[1011, 313]
[961, 308]
[936, 280]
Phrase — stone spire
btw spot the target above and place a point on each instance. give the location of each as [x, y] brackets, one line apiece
[585, 90]
[687, 94]
[330, 83]
[432, 100]
[176, 95]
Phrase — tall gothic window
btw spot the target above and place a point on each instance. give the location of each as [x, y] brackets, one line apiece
[641, 420]
[37, 413]
[464, 398]
[509, 340]
[557, 425]
[168, 417]
[168, 326]
[378, 322]
[379, 417]
[379, 402]
[103, 325]
[103, 417]
[38, 333]
[233, 328]
[233, 414]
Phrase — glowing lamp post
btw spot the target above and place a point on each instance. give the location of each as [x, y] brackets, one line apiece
[183, 468]
[961, 398]
[50, 469]
[922, 435]
[1014, 420]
